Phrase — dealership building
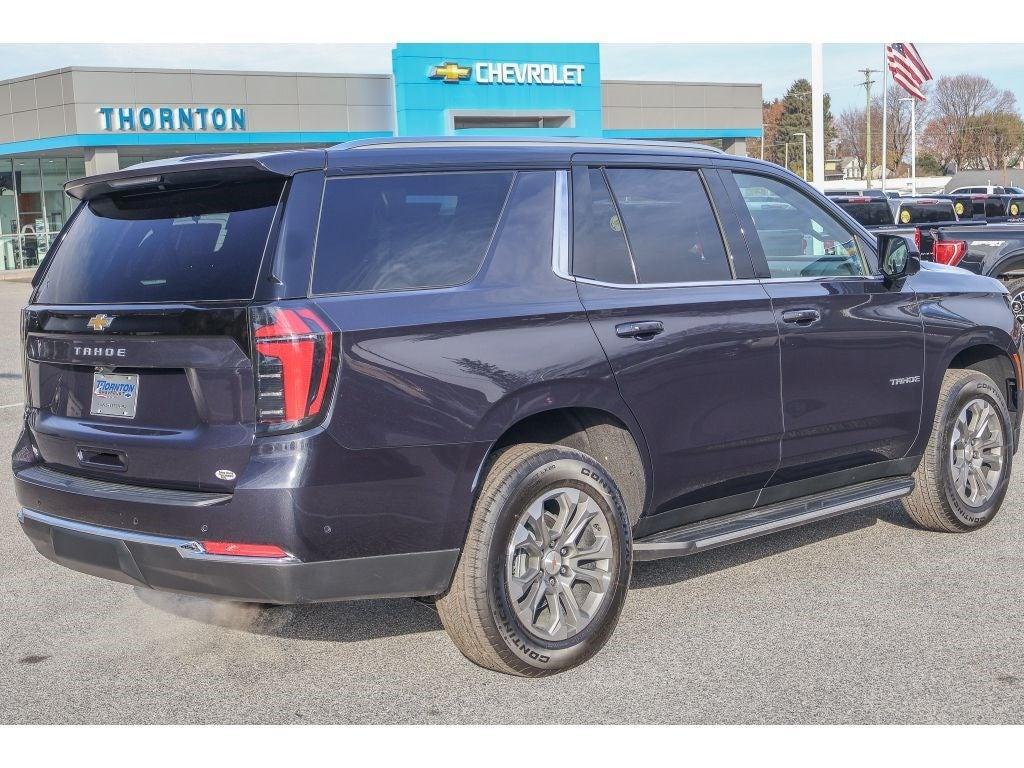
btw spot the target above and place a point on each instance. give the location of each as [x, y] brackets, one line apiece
[77, 121]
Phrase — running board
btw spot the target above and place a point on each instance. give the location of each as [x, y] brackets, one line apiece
[717, 532]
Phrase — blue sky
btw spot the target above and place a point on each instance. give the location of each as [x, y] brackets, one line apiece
[774, 65]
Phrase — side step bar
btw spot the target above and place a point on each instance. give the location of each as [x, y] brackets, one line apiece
[717, 532]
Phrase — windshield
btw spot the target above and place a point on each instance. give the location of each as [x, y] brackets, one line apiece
[184, 245]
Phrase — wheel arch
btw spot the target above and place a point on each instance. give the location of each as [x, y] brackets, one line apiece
[995, 362]
[1009, 266]
[611, 436]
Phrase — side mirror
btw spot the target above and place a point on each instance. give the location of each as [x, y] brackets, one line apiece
[899, 258]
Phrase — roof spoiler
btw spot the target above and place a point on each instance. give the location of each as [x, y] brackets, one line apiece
[194, 170]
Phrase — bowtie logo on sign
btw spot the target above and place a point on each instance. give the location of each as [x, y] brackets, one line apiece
[509, 73]
[449, 72]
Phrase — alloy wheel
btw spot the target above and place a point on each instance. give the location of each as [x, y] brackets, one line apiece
[560, 563]
[977, 452]
[1017, 306]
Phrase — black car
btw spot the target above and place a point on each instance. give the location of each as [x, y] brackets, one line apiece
[491, 373]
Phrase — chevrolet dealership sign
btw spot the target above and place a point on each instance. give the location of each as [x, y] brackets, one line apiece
[509, 73]
[172, 118]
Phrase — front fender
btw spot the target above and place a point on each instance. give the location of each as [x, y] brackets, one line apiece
[953, 323]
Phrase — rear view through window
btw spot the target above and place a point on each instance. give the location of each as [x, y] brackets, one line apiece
[394, 232]
[926, 212]
[869, 211]
[167, 246]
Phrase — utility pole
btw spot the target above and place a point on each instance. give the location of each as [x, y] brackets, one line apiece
[804, 137]
[868, 82]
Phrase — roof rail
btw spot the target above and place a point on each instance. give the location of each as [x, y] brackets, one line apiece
[435, 141]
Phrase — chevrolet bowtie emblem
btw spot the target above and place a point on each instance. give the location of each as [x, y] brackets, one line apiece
[100, 322]
[450, 72]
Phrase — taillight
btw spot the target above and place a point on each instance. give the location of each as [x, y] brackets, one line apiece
[949, 251]
[295, 357]
[917, 238]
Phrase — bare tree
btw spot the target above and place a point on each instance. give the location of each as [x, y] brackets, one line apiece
[958, 104]
[899, 133]
[851, 124]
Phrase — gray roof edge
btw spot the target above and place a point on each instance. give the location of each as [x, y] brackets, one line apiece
[174, 71]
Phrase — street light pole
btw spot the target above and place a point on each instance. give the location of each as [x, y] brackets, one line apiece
[804, 137]
[786, 161]
[913, 144]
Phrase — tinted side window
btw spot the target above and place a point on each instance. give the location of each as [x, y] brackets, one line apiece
[671, 229]
[394, 232]
[598, 244]
[799, 237]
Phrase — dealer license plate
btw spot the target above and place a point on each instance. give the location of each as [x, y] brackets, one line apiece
[115, 394]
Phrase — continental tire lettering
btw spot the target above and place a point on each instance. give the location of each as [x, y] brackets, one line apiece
[597, 478]
[512, 636]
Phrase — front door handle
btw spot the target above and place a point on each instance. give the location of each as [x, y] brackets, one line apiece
[643, 329]
[801, 316]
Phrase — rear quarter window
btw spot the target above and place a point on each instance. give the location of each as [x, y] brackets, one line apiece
[406, 231]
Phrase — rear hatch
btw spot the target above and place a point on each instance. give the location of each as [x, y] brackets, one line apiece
[138, 348]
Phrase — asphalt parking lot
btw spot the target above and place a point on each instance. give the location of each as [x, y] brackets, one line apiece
[858, 619]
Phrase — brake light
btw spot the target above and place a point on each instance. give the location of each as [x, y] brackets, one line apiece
[295, 354]
[242, 550]
[917, 238]
[949, 252]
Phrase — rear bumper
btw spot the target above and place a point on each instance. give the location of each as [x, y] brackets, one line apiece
[179, 565]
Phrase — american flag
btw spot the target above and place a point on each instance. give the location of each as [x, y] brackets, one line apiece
[907, 68]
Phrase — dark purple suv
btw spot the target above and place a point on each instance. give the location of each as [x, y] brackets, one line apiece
[490, 372]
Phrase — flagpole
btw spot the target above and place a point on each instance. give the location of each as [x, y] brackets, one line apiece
[885, 113]
[817, 116]
[913, 147]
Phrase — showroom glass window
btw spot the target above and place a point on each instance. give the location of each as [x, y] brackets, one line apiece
[33, 206]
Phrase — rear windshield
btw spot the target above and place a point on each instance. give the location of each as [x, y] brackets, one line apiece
[181, 246]
[926, 213]
[869, 213]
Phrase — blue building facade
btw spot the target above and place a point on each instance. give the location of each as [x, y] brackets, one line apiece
[497, 89]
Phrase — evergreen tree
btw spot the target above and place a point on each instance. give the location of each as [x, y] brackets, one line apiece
[793, 118]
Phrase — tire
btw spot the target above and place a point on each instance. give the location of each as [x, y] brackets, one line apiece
[1016, 290]
[936, 503]
[480, 611]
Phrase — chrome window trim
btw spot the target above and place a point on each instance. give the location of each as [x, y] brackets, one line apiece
[736, 281]
[560, 233]
[695, 284]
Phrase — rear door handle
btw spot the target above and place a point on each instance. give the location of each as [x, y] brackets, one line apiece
[643, 329]
[801, 316]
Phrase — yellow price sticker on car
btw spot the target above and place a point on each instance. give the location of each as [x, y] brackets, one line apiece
[905, 217]
[959, 208]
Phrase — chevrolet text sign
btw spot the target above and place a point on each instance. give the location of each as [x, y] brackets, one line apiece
[510, 73]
